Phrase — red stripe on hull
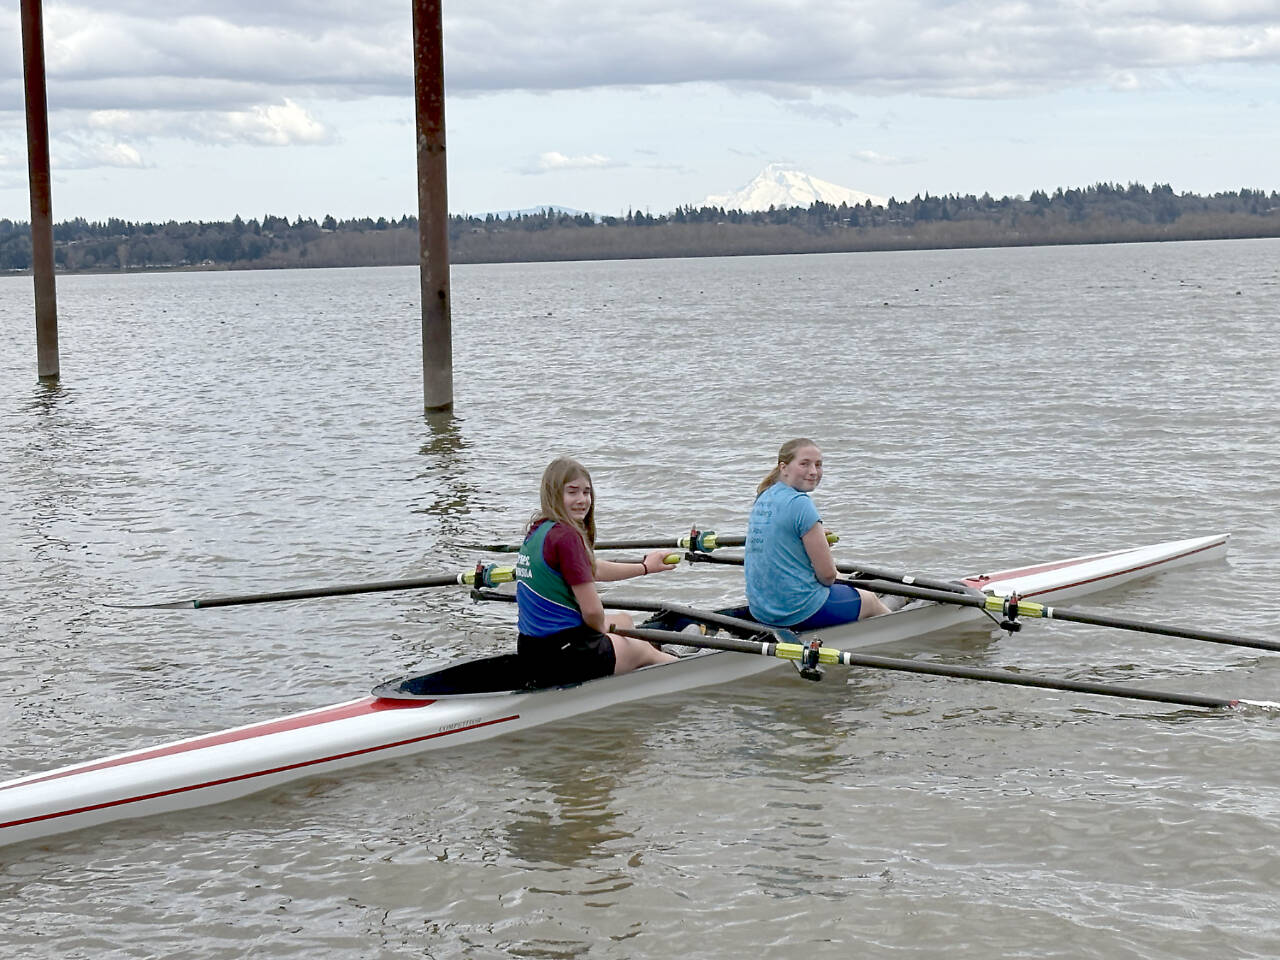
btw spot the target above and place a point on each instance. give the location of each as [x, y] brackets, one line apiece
[1029, 571]
[250, 776]
[1038, 568]
[325, 715]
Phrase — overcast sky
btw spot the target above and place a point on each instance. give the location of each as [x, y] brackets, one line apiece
[184, 109]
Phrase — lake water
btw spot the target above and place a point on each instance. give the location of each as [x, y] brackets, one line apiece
[218, 433]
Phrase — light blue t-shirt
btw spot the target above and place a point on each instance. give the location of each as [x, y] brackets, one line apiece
[782, 588]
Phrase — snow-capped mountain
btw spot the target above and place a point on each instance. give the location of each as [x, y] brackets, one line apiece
[781, 186]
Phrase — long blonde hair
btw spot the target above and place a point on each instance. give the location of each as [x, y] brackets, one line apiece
[786, 453]
[559, 474]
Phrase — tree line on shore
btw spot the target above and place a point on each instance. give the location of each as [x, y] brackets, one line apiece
[1102, 213]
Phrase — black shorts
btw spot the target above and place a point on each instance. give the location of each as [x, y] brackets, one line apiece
[570, 656]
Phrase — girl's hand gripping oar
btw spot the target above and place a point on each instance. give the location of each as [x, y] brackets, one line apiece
[481, 575]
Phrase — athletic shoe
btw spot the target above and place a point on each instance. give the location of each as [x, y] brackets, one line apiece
[687, 650]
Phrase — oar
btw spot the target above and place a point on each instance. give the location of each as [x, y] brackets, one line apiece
[805, 653]
[1013, 607]
[712, 617]
[948, 586]
[701, 540]
[488, 576]
[857, 566]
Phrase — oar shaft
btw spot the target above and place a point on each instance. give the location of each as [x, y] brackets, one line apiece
[1027, 608]
[339, 590]
[830, 655]
[917, 592]
[1023, 680]
[705, 541]
[731, 644]
[713, 617]
[953, 587]
[674, 543]
[1143, 626]
[982, 602]
[910, 579]
[689, 613]
[488, 575]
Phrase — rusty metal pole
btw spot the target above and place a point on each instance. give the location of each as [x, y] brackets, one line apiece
[433, 205]
[41, 194]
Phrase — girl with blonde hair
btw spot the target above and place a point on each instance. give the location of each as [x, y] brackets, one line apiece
[790, 571]
[564, 634]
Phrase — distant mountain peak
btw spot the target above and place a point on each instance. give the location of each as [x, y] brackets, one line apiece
[782, 185]
[531, 211]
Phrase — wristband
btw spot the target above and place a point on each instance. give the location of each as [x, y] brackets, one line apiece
[645, 567]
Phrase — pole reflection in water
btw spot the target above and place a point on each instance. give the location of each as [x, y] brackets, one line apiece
[444, 490]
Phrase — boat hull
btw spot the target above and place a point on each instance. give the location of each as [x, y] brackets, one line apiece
[210, 769]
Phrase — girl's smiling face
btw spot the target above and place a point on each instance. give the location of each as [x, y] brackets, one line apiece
[804, 472]
[577, 498]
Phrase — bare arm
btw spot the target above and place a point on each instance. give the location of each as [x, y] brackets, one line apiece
[819, 551]
[590, 605]
[654, 561]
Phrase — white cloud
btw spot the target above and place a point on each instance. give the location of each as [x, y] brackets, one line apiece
[883, 160]
[78, 152]
[118, 155]
[554, 161]
[120, 138]
[831, 113]
[275, 125]
[98, 56]
[1125, 81]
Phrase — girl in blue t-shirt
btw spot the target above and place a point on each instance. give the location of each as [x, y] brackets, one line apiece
[789, 568]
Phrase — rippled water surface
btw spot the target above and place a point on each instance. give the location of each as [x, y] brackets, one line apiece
[222, 433]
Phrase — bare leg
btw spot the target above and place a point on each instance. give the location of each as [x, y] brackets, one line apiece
[871, 605]
[630, 654]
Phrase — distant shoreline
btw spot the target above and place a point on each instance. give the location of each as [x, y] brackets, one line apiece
[1102, 214]
[904, 244]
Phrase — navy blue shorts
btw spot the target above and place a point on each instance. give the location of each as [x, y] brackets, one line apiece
[571, 656]
[843, 605]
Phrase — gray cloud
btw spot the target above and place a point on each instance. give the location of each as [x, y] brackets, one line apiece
[238, 56]
[931, 47]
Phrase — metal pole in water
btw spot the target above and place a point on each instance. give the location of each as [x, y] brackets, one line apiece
[433, 205]
[41, 194]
